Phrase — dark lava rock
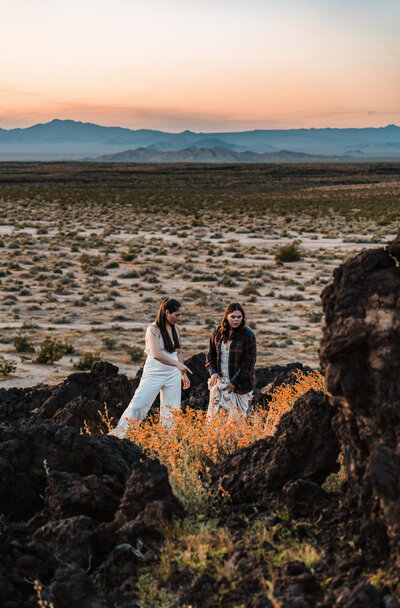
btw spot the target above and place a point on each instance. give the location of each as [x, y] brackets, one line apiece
[363, 596]
[28, 457]
[17, 404]
[360, 356]
[83, 398]
[79, 513]
[303, 447]
[268, 379]
[295, 586]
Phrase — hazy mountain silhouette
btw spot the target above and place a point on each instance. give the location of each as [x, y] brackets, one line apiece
[69, 139]
[212, 155]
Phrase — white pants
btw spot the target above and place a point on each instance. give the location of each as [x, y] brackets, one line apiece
[165, 380]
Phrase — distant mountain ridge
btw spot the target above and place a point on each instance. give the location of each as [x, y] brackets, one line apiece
[212, 155]
[73, 140]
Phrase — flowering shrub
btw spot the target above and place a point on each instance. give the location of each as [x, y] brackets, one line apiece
[285, 396]
[193, 444]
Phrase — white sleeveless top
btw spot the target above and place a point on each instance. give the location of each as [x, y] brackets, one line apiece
[153, 363]
[225, 359]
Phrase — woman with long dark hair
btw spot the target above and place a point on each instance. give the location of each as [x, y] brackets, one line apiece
[230, 361]
[163, 370]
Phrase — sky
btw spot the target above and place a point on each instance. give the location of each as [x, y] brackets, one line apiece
[204, 65]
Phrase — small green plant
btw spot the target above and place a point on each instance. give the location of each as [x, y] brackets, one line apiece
[136, 353]
[86, 361]
[288, 253]
[249, 290]
[23, 345]
[7, 366]
[50, 350]
[315, 316]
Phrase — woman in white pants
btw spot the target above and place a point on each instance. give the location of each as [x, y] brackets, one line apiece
[163, 370]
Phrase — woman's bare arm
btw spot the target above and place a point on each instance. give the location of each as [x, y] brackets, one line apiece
[153, 340]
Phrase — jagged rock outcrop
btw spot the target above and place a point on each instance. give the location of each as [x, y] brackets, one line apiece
[304, 447]
[17, 404]
[268, 379]
[74, 506]
[84, 398]
[360, 357]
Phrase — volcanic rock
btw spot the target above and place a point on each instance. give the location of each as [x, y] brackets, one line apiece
[268, 379]
[75, 507]
[17, 404]
[360, 356]
[85, 398]
[303, 447]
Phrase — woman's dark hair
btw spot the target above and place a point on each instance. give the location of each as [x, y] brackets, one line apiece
[161, 321]
[225, 327]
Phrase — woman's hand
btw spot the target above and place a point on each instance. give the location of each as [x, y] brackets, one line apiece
[185, 380]
[182, 368]
[230, 387]
[213, 380]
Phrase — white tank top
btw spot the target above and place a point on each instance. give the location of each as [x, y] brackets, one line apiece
[153, 363]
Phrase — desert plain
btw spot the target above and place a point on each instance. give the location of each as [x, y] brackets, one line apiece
[89, 250]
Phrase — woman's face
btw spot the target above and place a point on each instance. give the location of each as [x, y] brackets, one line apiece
[235, 319]
[173, 317]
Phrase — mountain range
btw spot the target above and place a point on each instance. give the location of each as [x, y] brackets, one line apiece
[73, 140]
[217, 154]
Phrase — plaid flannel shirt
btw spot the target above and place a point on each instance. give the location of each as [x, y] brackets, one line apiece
[242, 359]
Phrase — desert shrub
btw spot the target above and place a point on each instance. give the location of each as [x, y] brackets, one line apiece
[249, 290]
[109, 342]
[136, 353]
[67, 348]
[227, 281]
[128, 256]
[131, 274]
[7, 366]
[315, 316]
[89, 262]
[23, 345]
[284, 396]
[52, 350]
[288, 253]
[192, 445]
[86, 361]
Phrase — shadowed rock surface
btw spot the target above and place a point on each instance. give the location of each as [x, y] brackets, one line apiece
[303, 447]
[70, 501]
[82, 399]
[17, 404]
[360, 356]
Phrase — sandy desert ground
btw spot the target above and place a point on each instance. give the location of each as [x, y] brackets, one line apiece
[91, 275]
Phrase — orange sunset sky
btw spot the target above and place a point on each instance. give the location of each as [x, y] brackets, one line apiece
[209, 65]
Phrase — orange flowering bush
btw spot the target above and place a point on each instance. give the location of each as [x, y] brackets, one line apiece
[192, 443]
[285, 396]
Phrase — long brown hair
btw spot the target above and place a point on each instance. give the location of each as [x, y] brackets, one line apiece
[225, 327]
[161, 321]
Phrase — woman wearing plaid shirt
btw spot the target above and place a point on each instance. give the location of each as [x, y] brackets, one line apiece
[231, 359]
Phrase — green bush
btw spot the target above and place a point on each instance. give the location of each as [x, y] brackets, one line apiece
[7, 366]
[52, 350]
[249, 290]
[288, 253]
[315, 317]
[86, 361]
[136, 353]
[23, 345]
